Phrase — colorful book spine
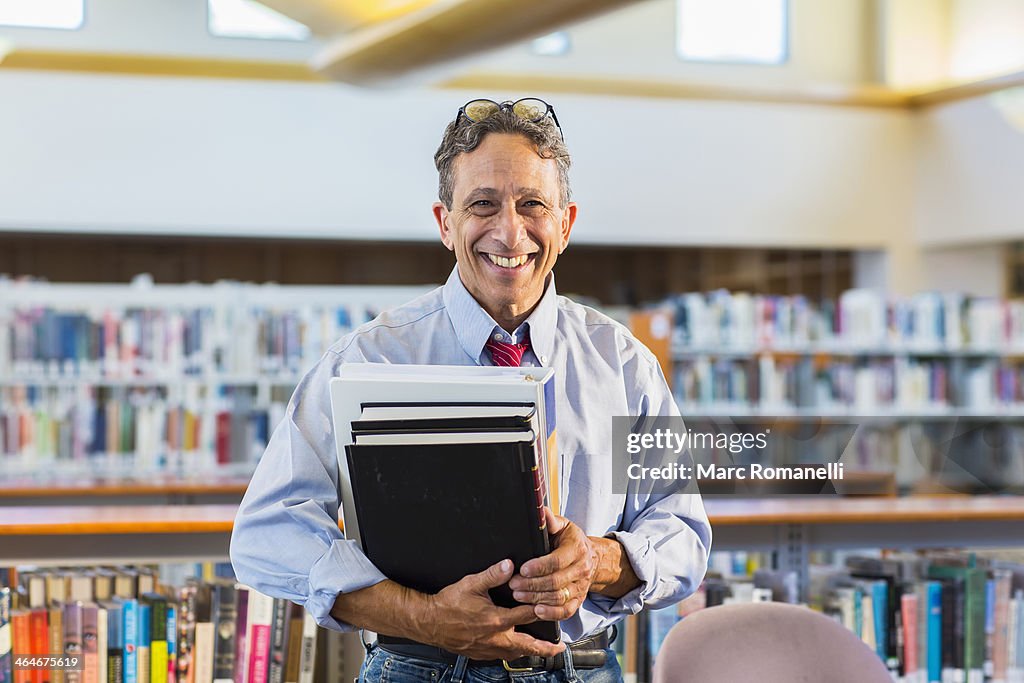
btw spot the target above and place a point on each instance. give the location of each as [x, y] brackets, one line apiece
[115, 640]
[130, 614]
[143, 668]
[241, 669]
[90, 651]
[261, 614]
[172, 644]
[934, 632]
[6, 669]
[73, 639]
[157, 607]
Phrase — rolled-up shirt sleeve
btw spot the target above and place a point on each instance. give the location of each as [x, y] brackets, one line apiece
[665, 533]
[287, 541]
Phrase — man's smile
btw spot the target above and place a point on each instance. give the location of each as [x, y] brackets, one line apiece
[511, 262]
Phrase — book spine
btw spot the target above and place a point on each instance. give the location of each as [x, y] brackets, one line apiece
[158, 609]
[20, 643]
[307, 660]
[6, 669]
[130, 614]
[241, 669]
[934, 632]
[224, 618]
[102, 644]
[294, 645]
[115, 642]
[39, 633]
[261, 614]
[202, 653]
[172, 644]
[908, 611]
[73, 639]
[278, 640]
[55, 635]
[90, 651]
[143, 666]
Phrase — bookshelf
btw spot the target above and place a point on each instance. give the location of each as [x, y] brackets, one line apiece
[933, 383]
[791, 528]
[124, 492]
[739, 524]
[120, 383]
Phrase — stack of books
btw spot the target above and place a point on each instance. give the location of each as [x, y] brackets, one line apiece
[447, 465]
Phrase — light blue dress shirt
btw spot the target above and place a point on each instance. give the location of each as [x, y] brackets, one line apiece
[286, 541]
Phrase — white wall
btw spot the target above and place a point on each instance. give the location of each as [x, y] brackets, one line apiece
[970, 175]
[179, 156]
[830, 42]
[987, 38]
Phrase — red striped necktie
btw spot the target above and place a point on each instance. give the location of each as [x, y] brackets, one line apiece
[507, 355]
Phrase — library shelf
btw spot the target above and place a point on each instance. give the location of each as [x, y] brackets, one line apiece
[111, 534]
[123, 492]
[790, 526]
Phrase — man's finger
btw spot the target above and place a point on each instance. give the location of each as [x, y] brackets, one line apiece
[555, 522]
[528, 645]
[516, 616]
[559, 558]
[550, 582]
[550, 613]
[492, 577]
[555, 598]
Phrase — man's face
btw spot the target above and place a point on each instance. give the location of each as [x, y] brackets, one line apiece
[505, 225]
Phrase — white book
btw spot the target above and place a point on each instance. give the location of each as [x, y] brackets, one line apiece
[202, 653]
[101, 645]
[377, 383]
[421, 438]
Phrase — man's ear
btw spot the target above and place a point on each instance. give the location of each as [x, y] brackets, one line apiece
[441, 216]
[568, 219]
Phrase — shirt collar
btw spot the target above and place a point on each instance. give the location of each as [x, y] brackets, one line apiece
[474, 326]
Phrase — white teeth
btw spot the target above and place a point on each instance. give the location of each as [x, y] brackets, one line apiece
[505, 262]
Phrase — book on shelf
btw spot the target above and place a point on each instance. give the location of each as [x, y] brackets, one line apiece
[400, 445]
[174, 633]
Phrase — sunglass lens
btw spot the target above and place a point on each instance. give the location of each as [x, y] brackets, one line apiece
[530, 109]
[478, 110]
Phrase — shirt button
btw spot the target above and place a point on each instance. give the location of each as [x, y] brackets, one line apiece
[543, 359]
[497, 337]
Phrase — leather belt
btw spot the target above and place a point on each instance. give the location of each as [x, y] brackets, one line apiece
[587, 653]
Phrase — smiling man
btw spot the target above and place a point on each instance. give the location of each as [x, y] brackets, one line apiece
[505, 211]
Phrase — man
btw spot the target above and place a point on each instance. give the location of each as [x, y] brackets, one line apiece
[505, 211]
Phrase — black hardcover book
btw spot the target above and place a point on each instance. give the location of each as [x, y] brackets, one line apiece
[431, 513]
[223, 616]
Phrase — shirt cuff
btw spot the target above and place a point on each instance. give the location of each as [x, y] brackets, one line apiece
[344, 568]
[644, 561]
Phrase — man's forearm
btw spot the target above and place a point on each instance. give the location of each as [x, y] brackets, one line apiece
[615, 576]
[386, 607]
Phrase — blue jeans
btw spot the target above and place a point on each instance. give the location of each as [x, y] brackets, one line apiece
[381, 666]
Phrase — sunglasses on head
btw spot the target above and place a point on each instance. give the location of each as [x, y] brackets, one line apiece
[529, 109]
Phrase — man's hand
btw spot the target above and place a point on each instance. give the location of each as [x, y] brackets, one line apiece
[463, 619]
[558, 583]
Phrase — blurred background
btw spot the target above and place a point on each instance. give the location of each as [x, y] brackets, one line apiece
[807, 209]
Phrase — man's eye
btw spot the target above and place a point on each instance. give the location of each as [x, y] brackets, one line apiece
[482, 202]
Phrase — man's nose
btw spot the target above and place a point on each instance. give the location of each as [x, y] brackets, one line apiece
[509, 226]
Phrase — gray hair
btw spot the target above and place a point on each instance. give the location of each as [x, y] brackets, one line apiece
[463, 136]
